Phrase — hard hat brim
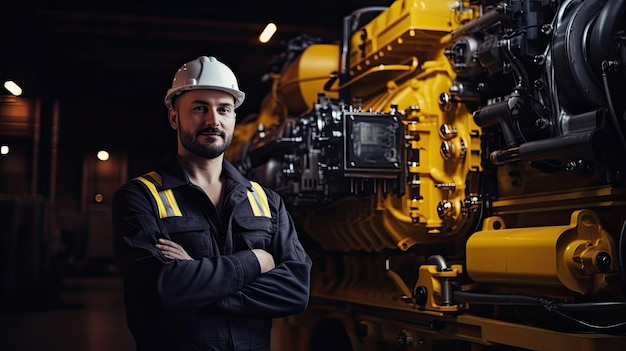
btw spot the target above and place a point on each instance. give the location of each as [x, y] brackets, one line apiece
[171, 93]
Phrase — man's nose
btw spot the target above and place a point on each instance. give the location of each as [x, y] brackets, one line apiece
[212, 117]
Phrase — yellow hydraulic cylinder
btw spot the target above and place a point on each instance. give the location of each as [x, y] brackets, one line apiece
[578, 256]
[302, 81]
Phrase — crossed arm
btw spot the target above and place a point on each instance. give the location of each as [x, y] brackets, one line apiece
[174, 251]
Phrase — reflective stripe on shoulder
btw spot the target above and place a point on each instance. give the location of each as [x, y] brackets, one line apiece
[258, 201]
[166, 203]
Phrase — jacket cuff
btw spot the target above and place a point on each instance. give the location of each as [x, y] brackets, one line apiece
[250, 266]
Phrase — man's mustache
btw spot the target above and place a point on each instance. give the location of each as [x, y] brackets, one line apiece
[211, 130]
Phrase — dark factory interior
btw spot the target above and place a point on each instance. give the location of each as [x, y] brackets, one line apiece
[454, 170]
[96, 72]
[101, 60]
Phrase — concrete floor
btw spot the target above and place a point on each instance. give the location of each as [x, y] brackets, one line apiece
[89, 316]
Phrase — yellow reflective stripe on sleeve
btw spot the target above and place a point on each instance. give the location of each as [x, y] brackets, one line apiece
[258, 201]
[157, 197]
[263, 197]
[165, 200]
[172, 202]
[254, 203]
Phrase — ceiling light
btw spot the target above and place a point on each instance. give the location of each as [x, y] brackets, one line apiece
[267, 33]
[102, 155]
[13, 88]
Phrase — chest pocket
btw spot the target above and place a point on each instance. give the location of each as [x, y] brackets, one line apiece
[253, 232]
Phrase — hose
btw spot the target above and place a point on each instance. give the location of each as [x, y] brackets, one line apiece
[602, 35]
[549, 305]
[606, 67]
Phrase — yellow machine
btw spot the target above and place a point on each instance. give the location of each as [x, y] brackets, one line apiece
[457, 171]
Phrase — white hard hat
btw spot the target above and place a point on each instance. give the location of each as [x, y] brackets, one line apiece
[204, 73]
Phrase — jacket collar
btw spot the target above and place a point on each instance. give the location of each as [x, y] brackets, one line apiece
[173, 175]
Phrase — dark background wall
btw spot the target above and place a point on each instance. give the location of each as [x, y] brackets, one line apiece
[94, 75]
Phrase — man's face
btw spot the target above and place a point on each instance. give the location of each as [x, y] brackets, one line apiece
[205, 121]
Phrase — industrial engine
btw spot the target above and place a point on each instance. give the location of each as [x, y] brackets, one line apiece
[457, 172]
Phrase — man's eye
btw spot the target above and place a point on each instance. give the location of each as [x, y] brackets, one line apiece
[224, 110]
[200, 109]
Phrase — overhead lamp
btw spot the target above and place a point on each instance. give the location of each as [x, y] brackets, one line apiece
[102, 155]
[267, 33]
[13, 88]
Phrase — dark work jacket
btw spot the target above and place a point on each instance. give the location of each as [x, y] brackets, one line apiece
[219, 300]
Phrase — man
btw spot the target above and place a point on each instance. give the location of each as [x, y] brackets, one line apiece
[207, 257]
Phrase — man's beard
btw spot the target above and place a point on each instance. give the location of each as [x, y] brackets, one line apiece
[204, 150]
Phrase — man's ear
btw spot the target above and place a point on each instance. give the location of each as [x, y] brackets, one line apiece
[172, 116]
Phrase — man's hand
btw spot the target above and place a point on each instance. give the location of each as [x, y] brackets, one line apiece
[266, 260]
[172, 250]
